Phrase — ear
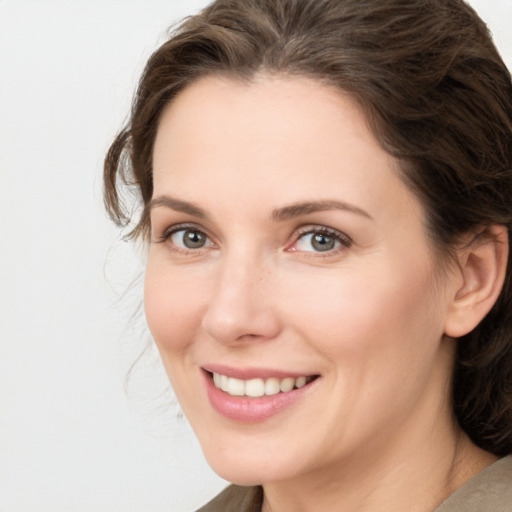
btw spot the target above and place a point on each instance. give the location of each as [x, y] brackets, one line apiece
[482, 267]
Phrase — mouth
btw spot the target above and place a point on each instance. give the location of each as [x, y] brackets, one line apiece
[252, 395]
[259, 387]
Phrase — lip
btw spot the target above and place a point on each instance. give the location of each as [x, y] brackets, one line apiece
[252, 410]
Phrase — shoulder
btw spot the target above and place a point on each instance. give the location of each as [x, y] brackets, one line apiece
[235, 498]
[491, 489]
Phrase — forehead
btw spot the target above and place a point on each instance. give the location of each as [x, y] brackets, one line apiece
[288, 139]
[272, 116]
[267, 108]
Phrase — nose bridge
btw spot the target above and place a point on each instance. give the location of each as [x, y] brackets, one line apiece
[241, 305]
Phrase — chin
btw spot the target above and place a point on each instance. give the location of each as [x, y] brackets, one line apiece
[244, 469]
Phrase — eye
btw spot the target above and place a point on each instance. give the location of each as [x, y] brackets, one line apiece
[188, 239]
[321, 240]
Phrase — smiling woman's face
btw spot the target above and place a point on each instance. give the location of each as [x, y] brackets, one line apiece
[290, 265]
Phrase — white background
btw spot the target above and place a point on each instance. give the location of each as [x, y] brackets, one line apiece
[71, 438]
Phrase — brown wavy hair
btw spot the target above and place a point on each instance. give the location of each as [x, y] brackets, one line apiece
[437, 96]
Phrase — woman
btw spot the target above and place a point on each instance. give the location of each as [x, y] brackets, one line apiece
[326, 191]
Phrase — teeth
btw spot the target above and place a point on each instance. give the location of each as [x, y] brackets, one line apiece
[300, 382]
[272, 386]
[236, 387]
[255, 388]
[224, 382]
[287, 384]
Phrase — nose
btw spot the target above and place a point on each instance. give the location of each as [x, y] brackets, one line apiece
[241, 307]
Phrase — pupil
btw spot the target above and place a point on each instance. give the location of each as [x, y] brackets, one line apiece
[193, 239]
[323, 242]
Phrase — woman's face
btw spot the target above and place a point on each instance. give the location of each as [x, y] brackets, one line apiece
[290, 265]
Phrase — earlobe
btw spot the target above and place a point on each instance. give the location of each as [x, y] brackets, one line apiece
[482, 268]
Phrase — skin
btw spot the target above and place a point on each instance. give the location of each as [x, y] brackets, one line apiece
[375, 431]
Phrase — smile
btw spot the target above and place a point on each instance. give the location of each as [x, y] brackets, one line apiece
[256, 388]
[252, 395]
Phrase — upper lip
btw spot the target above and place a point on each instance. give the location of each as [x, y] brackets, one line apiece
[253, 372]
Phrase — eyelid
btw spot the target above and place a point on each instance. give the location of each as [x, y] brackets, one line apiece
[182, 226]
[340, 236]
[343, 238]
[169, 230]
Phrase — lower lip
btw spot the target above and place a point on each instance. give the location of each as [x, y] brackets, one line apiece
[252, 410]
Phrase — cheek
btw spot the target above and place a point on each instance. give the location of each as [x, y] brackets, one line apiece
[379, 337]
[363, 313]
[173, 307]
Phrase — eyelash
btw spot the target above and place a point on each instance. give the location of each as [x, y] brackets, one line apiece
[344, 241]
[168, 233]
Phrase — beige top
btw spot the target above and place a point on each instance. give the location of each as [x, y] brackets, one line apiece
[488, 491]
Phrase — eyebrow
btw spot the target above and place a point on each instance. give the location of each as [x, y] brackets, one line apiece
[278, 214]
[177, 205]
[306, 207]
